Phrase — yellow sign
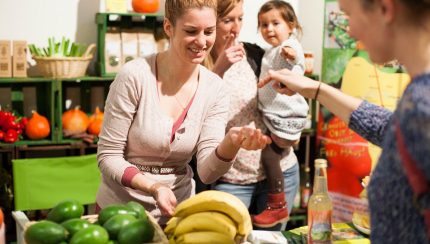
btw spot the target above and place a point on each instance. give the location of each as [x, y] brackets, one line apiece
[116, 6]
[366, 81]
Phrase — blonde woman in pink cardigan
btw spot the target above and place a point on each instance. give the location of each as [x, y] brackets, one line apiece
[162, 109]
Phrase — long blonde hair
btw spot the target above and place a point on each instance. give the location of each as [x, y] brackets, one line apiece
[223, 9]
[174, 9]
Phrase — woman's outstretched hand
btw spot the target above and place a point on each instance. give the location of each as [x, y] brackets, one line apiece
[289, 83]
[248, 138]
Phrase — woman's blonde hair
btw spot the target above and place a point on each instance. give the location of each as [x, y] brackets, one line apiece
[174, 9]
[223, 9]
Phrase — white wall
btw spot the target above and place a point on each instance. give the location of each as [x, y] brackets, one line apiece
[36, 20]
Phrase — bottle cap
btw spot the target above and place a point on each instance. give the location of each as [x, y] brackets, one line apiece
[320, 162]
[307, 169]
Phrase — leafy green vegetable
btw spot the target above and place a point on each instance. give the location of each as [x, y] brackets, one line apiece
[64, 48]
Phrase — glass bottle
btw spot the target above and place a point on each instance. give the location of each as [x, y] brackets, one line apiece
[320, 207]
[306, 189]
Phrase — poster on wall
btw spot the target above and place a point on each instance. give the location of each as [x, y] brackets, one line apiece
[346, 66]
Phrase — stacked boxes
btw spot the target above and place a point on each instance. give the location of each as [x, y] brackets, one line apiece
[13, 64]
[123, 37]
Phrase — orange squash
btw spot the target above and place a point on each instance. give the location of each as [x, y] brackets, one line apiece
[145, 6]
[75, 121]
[96, 121]
[37, 127]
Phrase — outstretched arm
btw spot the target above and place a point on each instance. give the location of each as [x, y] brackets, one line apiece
[333, 99]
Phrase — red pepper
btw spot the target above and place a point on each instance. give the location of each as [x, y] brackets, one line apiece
[11, 136]
[1, 135]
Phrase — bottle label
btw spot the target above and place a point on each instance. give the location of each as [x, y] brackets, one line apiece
[319, 223]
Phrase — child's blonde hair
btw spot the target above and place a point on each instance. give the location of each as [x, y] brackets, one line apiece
[287, 13]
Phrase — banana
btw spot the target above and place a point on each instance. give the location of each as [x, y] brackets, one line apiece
[171, 225]
[223, 202]
[207, 221]
[204, 237]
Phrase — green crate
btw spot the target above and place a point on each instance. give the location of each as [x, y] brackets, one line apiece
[85, 92]
[23, 95]
[121, 21]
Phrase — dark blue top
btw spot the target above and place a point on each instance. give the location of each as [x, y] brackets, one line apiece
[394, 219]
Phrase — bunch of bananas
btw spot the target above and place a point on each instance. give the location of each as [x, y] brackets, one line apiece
[210, 217]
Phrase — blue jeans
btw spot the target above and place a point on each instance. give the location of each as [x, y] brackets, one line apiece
[254, 196]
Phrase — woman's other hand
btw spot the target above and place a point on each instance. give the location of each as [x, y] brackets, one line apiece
[248, 138]
[233, 52]
[289, 83]
[165, 199]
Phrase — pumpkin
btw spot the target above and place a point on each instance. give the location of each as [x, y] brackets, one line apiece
[96, 121]
[37, 127]
[75, 121]
[145, 6]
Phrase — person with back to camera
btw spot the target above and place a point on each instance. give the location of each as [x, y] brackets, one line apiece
[239, 65]
[284, 116]
[162, 109]
[398, 192]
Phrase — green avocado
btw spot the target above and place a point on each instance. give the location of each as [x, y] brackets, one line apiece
[138, 208]
[45, 232]
[116, 223]
[138, 232]
[94, 234]
[75, 225]
[65, 210]
[111, 210]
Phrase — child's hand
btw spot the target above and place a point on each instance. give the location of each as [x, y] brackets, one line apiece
[289, 54]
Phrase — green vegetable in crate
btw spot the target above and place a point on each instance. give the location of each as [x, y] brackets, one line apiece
[138, 232]
[138, 208]
[94, 234]
[65, 210]
[116, 223]
[75, 225]
[58, 49]
[45, 232]
[37, 127]
[112, 210]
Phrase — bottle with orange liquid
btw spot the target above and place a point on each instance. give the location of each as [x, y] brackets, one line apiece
[320, 207]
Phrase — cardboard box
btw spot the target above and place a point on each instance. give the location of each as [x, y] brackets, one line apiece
[19, 59]
[113, 60]
[147, 43]
[129, 46]
[5, 59]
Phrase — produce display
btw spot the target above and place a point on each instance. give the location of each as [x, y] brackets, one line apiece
[58, 49]
[14, 127]
[122, 224]
[210, 217]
